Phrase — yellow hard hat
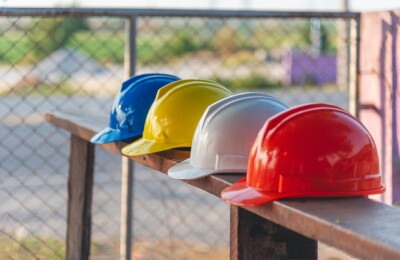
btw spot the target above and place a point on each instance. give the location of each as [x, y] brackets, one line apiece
[174, 115]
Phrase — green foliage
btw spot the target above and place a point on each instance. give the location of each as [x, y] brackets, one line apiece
[185, 42]
[102, 46]
[13, 47]
[239, 58]
[155, 47]
[33, 87]
[40, 247]
[50, 34]
[248, 83]
[26, 248]
[328, 36]
[226, 40]
[152, 50]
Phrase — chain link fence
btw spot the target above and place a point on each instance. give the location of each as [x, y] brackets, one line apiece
[75, 62]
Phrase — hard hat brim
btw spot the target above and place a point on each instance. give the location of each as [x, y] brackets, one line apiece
[109, 135]
[143, 146]
[242, 195]
[185, 171]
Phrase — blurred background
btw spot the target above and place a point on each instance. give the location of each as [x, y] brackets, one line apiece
[75, 61]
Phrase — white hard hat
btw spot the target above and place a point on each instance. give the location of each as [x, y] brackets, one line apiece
[225, 134]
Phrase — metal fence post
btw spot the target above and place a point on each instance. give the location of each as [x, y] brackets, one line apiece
[354, 67]
[126, 208]
[127, 164]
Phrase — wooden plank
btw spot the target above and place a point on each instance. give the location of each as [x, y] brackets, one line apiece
[358, 226]
[80, 184]
[253, 237]
[86, 126]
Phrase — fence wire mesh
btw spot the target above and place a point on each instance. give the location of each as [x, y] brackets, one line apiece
[76, 63]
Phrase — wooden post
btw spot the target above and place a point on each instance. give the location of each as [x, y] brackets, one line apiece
[80, 184]
[252, 237]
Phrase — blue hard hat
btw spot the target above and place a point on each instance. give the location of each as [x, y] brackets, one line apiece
[130, 107]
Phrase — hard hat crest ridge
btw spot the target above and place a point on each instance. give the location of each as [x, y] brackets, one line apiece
[170, 88]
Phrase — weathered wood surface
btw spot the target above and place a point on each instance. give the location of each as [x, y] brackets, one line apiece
[88, 126]
[361, 227]
[253, 237]
[80, 184]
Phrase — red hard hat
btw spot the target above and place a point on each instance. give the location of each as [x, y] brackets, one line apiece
[314, 150]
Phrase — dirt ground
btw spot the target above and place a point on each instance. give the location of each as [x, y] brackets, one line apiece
[145, 250]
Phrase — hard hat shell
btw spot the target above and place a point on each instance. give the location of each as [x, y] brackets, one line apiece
[174, 115]
[309, 151]
[225, 135]
[130, 107]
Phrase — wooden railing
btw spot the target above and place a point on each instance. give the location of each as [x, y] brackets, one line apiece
[283, 229]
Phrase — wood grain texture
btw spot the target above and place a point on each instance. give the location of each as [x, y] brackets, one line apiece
[80, 185]
[253, 237]
[86, 126]
[361, 227]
